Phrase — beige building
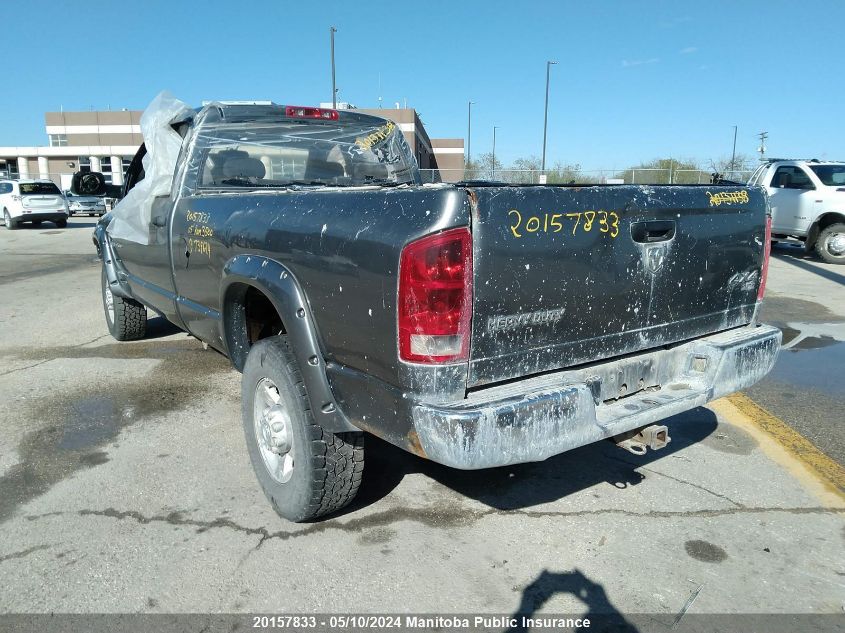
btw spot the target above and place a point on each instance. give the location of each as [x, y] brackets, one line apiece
[107, 141]
[101, 141]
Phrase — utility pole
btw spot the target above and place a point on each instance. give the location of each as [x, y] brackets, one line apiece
[546, 115]
[493, 162]
[332, 31]
[762, 149]
[733, 155]
[469, 130]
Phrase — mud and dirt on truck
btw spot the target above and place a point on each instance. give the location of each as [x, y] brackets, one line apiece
[476, 325]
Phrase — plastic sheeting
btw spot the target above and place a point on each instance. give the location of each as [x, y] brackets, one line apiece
[131, 217]
[235, 147]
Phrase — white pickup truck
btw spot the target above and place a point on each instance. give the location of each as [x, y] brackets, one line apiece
[807, 198]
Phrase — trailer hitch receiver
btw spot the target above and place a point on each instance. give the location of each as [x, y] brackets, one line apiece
[654, 436]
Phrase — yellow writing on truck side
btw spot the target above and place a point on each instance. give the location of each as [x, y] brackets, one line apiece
[606, 222]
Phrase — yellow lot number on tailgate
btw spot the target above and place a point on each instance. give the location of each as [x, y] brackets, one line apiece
[606, 222]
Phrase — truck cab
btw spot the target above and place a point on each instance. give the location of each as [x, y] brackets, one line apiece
[807, 198]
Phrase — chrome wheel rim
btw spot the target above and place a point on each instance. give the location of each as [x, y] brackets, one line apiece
[273, 431]
[836, 244]
[109, 298]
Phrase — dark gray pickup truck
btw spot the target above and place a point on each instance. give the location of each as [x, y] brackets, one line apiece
[474, 324]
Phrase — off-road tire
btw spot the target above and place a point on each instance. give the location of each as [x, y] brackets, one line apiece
[328, 467]
[61, 223]
[821, 244]
[8, 221]
[129, 319]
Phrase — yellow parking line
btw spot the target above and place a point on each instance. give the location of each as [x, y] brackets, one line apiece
[755, 418]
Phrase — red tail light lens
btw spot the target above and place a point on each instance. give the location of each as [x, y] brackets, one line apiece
[304, 112]
[435, 298]
[767, 251]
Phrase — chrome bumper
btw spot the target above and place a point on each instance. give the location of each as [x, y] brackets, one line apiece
[536, 418]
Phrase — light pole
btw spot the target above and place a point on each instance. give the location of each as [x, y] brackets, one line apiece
[546, 115]
[469, 130]
[332, 31]
[733, 155]
[493, 162]
[762, 149]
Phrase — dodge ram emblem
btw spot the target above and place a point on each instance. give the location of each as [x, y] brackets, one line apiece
[654, 259]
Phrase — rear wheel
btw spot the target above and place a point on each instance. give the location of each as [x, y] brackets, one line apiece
[61, 223]
[8, 221]
[127, 319]
[36, 223]
[304, 470]
[830, 245]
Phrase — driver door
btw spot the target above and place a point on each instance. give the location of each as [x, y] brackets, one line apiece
[148, 265]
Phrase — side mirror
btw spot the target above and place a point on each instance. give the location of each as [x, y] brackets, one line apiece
[93, 183]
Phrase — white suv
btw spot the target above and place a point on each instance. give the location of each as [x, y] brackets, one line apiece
[32, 201]
[807, 198]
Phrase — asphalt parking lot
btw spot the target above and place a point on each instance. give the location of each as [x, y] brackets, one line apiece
[125, 484]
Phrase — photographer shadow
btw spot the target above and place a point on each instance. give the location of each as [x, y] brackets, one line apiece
[601, 612]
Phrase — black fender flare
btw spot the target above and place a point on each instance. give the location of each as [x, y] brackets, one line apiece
[280, 286]
[114, 274]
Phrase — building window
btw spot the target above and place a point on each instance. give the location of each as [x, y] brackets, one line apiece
[58, 140]
[105, 169]
[9, 169]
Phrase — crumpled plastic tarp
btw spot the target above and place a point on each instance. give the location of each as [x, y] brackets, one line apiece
[131, 217]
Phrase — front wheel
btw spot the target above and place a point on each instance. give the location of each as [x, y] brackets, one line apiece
[127, 319]
[304, 470]
[830, 245]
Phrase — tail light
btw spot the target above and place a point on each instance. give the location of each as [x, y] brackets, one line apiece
[435, 298]
[304, 112]
[767, 251]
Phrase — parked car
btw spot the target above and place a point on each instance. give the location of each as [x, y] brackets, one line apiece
[92, 205]
[807, 198]
[32, 201]
[473, 324]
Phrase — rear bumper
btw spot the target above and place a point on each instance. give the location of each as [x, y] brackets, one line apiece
[536, 418]
[50, 216]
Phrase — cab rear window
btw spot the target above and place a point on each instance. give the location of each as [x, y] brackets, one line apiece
[250, 155]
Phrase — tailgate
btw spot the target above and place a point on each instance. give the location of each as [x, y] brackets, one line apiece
[42, 201]
[572, 275]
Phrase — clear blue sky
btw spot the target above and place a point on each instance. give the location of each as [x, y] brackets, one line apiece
[635, 80]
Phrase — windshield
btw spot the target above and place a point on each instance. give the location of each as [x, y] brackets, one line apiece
[269, 154]
[830, 175]
[38, 188]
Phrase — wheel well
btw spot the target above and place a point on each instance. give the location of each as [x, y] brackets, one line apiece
[827, 219]
[249, 316]
[821, 223]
